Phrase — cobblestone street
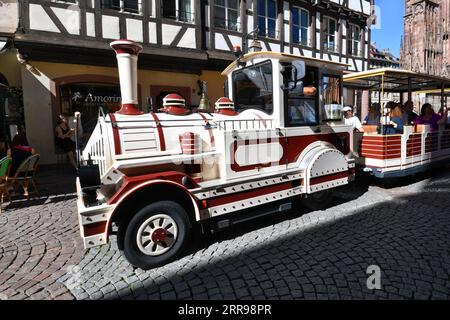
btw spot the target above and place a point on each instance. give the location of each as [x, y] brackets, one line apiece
[404, 229]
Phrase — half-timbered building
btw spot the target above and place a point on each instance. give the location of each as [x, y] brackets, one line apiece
[64, 62]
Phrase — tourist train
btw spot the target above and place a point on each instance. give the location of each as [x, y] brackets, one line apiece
[277, 136]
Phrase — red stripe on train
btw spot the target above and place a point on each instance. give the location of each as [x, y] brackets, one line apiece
[249, 194]
[117, 148]
[162, 141]
[331, 177]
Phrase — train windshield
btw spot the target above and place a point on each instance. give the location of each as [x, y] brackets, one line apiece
[253, 88]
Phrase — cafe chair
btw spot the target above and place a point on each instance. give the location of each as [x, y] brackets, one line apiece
[5, 166]
[25, 175]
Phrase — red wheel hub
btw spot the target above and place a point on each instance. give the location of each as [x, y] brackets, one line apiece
[159, 235]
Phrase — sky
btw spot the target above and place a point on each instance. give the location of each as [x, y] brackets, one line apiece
[389, 29]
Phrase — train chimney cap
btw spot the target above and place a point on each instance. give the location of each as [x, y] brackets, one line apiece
[225, 106]
[126, 46]
[174, 99]
[224, 103]
[175, 104]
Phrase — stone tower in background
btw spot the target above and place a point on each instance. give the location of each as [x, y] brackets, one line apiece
[426, 46]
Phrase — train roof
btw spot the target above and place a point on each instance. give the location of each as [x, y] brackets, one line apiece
[286, 58]
[395, 80]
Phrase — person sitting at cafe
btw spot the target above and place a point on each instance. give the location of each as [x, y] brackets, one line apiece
[431, 118]
[3, 148]
[373, 118]
[392, 120]
[351, 120]
[409, 116]
[19, 151]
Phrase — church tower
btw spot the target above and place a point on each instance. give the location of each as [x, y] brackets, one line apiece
[425, 45]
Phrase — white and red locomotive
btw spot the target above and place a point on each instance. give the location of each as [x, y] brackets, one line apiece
[276, 137]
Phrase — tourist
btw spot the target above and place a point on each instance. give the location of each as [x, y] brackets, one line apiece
[64, 140]
[431, 118]
[351, 120]
[373, 118]
[392, 121]
[409, 116]
[19, 151]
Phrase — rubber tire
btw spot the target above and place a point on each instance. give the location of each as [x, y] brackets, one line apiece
[318, 203]
[130, 248]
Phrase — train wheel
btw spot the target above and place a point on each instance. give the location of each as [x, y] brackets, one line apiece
[156, 235]
[318, 200]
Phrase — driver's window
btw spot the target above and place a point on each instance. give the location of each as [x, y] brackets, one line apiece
[301, 109]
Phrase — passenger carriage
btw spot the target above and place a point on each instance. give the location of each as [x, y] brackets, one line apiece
[418, 148]
[277, 136]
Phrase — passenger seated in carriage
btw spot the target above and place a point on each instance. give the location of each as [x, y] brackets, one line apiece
[351, 120]
[409, 116]
[431, 118]
[392, 119]
[373, 118]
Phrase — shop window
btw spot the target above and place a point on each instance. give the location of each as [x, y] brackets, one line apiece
[89, 98]
[11, 112]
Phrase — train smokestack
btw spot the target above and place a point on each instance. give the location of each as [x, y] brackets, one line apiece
[127, 54]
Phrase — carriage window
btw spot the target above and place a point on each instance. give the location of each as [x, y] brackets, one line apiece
[331, 88]
[253, 88]
[302, 110]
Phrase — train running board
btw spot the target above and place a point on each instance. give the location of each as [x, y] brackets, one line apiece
[251, 214]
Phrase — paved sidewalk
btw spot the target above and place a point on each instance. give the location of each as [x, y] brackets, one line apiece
[39, 239]
[404, 229]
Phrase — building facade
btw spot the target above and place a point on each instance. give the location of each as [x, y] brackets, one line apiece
[426, 44]
[59, 50]
[383, 59]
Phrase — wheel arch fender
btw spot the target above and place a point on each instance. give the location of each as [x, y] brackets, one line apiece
[321, 159]
[153, 191]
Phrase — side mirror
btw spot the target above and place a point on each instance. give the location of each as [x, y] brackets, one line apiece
[300, 69]
[294, 73]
